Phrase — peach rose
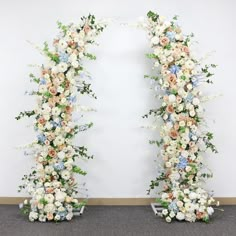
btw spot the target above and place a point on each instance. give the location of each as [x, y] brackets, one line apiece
[49, 216]
[164, 41]
[170, 109]
[68, 109]
[52, 90]
[173, 134]
[171, 79]
[87, 28]
[52, 153]
[41, 121]
[49, 190]
[185, 49]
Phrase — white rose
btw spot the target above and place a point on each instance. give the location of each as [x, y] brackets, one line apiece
[179, 204]
[62, 44]
[49, 208]
[60, 196]
[180, 216]
[61, 154]
[57, 217]
[189, 64]
[168, 164]
[42, 88]
[186, 191]
[172, 214]
[168, 219]
[155, 40]
[49, 198]
[192, 113]
[75, 64]
[188, 168]
[172, 98]
[69, 216]
[195, 101]
[192, 195]
[189, 86]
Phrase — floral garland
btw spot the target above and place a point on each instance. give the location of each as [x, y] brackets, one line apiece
[182, 137]
[52, 184]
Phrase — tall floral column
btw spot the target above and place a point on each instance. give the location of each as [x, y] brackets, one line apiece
[52, 184]
[183, 139]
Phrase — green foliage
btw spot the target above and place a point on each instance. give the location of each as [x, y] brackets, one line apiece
[152, 56]
[155, 112]
[78, 170]
[207, 139]
[25, 210]
[53, 57]
[64, 28]
[34, 78]
[153, 16]
[90, 56]
[156, 182]
[43, 201]
[83, 152]
[156, 78]
[205, 70]
[25, 113]
[86, 89]
[163, 203]
[158, 143]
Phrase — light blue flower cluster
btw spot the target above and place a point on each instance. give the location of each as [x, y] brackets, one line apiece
[64, 57]
[41, 138]
[182, 162]
[170, 35]
[42, 81]
[173, 207]
[59, 166]
[72, 99]
[174, 69]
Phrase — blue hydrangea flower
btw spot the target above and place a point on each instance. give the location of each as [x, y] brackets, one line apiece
[62, 215]
[42, 81]
[64, 57]
[189, 98]
[170, 35]
[173, 207]
[174, 69]
[182, 162]
[72, 99]
[59, 166]
[41, 138]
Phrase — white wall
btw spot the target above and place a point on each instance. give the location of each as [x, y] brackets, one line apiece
[124, 161]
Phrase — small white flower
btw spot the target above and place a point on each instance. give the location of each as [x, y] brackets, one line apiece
[189, 64]
[69, 216]
[62, 67]
[188, 168]
[210, 210]
[65, 174]
[62, 44]
[168, 219]
[196, 101]
[164, 212]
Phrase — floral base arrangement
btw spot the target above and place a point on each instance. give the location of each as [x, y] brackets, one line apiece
[183, 138]
[52, 184]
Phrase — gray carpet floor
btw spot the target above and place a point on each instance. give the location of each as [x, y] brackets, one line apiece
[116, 221]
